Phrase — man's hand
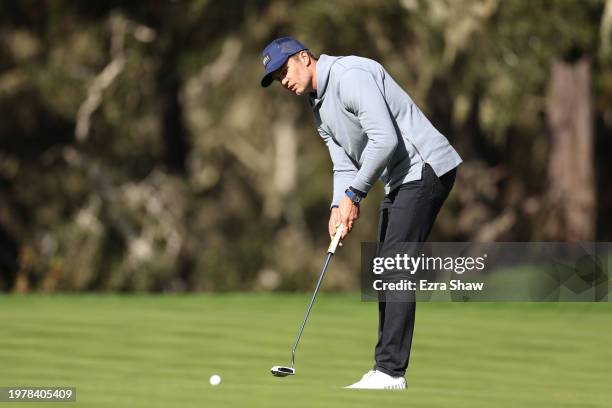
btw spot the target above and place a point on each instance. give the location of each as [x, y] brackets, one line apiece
[334, 221]
[348, 214]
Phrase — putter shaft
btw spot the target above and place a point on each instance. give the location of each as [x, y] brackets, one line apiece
[314, 295]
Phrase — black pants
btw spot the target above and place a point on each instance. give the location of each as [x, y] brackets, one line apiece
[407, 214]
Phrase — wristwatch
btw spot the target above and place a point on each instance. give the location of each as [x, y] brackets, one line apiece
[354, 195]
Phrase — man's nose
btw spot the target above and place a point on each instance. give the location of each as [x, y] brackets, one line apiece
[284, 82]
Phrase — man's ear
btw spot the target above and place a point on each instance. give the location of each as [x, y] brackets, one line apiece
[305, 57]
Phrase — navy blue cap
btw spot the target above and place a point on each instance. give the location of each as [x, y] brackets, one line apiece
[276, 54]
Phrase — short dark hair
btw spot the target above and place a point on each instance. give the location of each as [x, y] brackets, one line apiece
[309, 53]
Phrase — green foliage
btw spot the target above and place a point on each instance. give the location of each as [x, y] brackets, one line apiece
[178, 171]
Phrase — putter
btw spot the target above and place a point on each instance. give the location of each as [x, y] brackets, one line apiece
[282, 371]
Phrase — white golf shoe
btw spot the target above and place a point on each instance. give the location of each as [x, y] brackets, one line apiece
[377, 380]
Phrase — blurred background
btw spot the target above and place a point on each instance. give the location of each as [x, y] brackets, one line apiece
[139, 153]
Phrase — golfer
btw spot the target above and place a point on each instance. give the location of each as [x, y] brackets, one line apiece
[373, 131]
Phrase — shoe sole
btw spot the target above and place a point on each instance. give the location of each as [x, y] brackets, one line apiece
[396, 387]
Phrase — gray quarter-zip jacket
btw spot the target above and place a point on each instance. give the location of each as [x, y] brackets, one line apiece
[372, 128]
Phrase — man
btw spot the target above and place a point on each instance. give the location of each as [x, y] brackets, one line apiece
[373, 130]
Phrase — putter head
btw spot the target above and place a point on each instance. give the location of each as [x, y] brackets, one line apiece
[280, 371]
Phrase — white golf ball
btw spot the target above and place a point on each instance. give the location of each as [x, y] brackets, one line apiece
[215, 380]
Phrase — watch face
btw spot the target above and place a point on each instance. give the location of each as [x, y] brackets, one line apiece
[354, 197]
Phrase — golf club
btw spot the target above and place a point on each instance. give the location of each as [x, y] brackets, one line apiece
[282, 371]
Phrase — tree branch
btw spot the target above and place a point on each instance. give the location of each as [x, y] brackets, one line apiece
[104, 79]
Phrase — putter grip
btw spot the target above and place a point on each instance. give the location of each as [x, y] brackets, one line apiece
[336, 240]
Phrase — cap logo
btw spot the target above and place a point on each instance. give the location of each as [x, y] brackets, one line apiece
[266, 59]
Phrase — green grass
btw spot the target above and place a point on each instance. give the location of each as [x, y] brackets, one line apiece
[159, 351]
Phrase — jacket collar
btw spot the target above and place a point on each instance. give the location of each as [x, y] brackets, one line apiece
[324, 64]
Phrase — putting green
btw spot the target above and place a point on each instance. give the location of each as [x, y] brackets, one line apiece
[160, 351]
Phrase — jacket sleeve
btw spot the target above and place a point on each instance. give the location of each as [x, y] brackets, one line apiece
[344, 168]
[360, 95]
